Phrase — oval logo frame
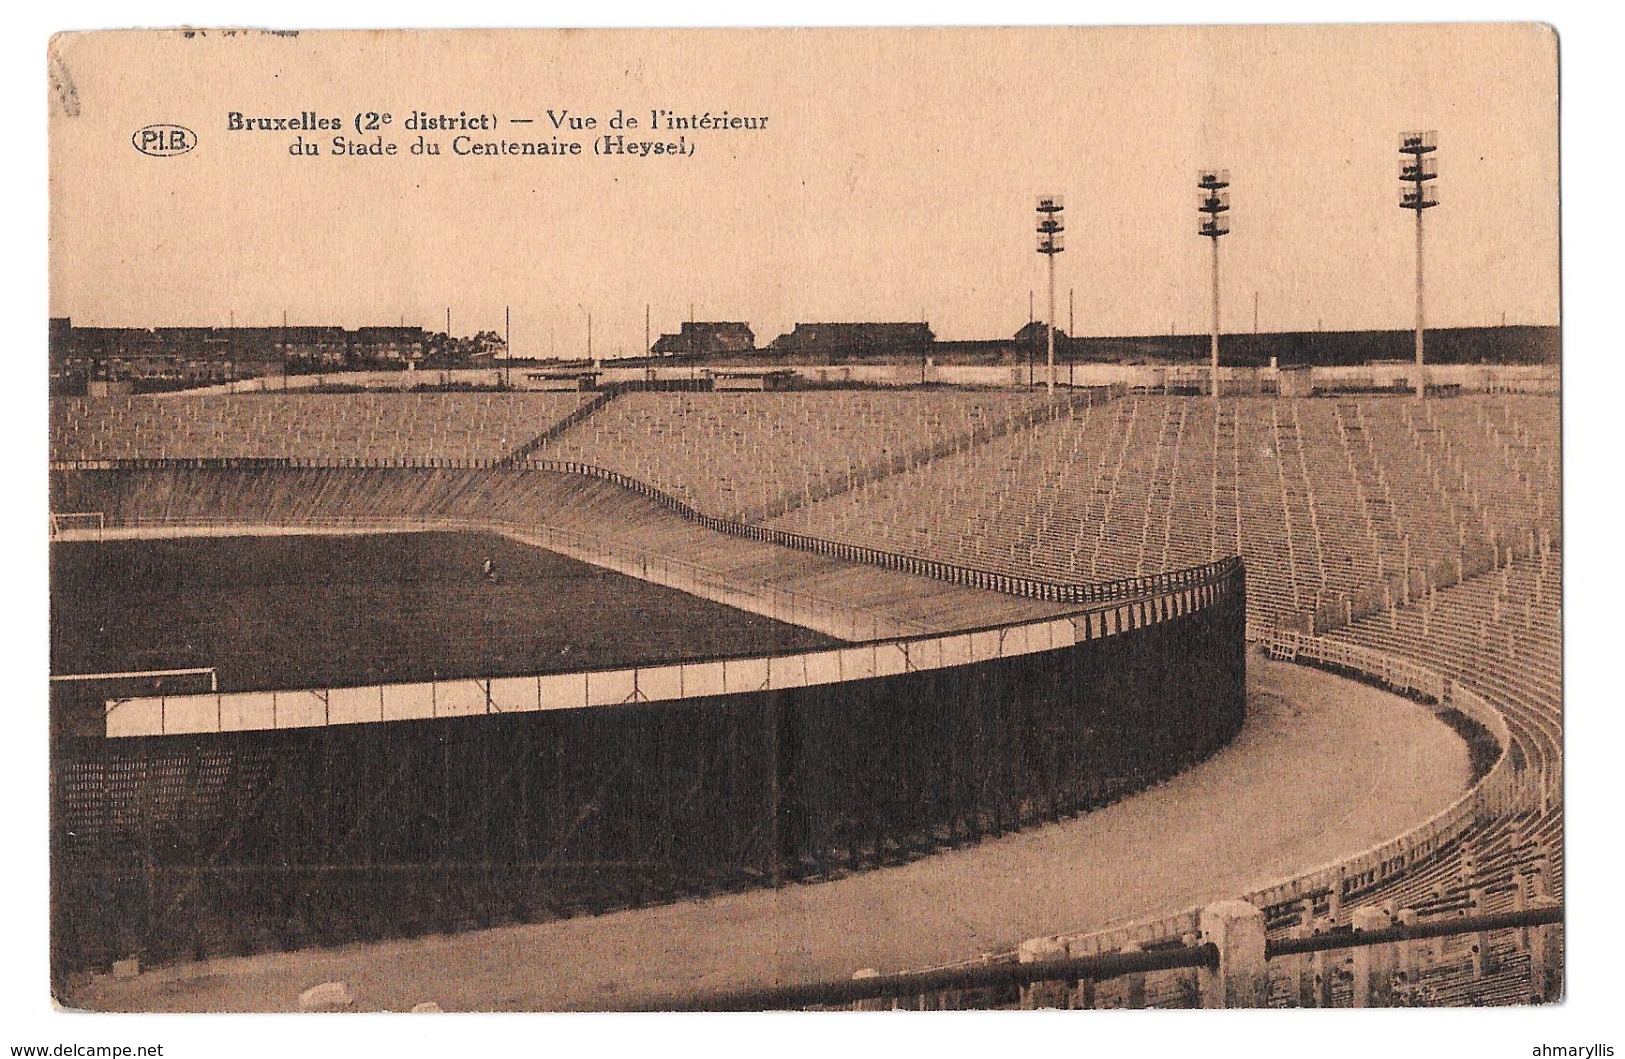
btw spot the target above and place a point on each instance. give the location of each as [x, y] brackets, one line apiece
[163, 140]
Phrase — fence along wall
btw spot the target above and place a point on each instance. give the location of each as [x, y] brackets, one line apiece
[277, 825]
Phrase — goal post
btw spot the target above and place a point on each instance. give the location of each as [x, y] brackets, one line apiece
[78, 524]
[189, 681]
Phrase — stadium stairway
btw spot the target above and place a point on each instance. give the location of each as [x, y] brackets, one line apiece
[587, 408]
[913, 460]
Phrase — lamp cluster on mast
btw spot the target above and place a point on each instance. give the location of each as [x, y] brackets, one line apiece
[1212, 209]
[1418, 192]
[1050, 243]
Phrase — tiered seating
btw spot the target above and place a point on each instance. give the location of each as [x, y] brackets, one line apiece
[1428, 502]
[1500, 868]
[745, 456]
[1277, 589]
[1323, 498]
[1374, 503]
[1509, 455]
[1499, 634]
[377, 427]
[1345, 558]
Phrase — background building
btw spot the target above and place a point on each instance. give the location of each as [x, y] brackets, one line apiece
[706, 337]
[835, 342]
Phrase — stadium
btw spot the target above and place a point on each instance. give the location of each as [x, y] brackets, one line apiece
[846, 646]
[733, 641]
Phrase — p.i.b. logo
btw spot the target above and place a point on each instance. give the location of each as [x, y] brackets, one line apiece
[164, 141]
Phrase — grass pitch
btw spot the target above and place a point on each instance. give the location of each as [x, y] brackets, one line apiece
[318, 611]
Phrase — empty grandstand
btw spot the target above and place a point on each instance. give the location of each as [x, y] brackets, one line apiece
[749, 459]
[1413, 543]
[1325, 499]
[725, 562]
[369, 428]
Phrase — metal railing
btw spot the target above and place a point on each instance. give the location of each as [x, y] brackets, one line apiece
[585, 409]
[969, 986]
[953, 573]
[970, 577]
[959, 979]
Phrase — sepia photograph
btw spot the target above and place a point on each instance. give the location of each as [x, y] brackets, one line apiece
[806, 519]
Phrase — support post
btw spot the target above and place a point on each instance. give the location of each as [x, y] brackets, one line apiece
[1406, 962]
[773, 824]
[1373, 964]
[867, 1005]
[1421, 382]
[1133, 984]
[1050, 243]
[1480, 939]
[1213, 351]
[1042, 994]
[1416, 170]
[1049, 333]
[1211, 208]
[1304, 968]
[1321, 971]
[1546, 957]
[1241, 979]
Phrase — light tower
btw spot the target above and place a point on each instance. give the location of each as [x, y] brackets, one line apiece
[1212, 203]
[1416, 169]
[1050, 243]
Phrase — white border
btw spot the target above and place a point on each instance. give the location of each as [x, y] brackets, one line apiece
[1594, 382]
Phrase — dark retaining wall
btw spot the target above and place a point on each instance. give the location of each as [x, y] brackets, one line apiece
[177, 846]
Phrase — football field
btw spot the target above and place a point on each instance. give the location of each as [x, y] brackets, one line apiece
[307, 611]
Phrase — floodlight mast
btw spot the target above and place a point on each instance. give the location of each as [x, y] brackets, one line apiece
[1416, 169]
[1212, 203]
[1050, 243]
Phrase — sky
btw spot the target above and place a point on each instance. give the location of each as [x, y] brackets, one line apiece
[895, 180]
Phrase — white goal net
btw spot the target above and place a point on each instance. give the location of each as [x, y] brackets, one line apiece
[77, 524]
[194, 680]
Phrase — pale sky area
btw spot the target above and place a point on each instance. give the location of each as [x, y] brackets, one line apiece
[896, 178]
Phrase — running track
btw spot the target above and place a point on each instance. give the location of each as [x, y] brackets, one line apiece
[1323, 768]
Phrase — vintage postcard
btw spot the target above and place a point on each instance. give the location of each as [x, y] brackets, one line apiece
[923, 519]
